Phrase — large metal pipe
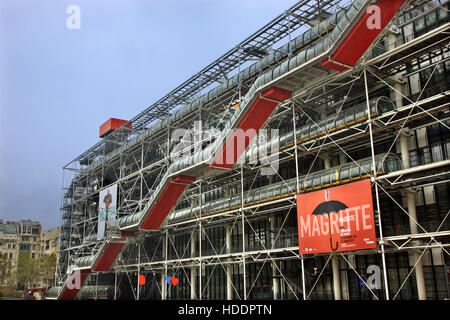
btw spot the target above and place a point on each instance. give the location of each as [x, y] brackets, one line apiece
[229, 267]
[275, 279]
[412, 212]
[334, 258]
[336, 277]
[163, 278]
[193, 269]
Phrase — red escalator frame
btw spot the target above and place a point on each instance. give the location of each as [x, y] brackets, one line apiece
[169, 196]
[361, 36]
[248, 127]
[108, 256]
[70, 294]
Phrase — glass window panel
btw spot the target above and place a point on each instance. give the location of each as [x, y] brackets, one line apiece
[345, 172]
[436, 151]
[442, 14]
[431, 19]
[419, 25]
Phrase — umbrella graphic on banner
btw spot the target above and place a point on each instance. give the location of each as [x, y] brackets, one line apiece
[328, 207]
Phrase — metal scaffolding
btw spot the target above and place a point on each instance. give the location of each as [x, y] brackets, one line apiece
[250, 250]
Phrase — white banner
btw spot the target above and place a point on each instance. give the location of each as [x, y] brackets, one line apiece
[106, 209]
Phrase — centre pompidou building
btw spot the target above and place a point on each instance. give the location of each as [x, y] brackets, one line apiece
[310, 161]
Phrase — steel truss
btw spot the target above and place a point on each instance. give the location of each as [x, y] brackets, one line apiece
[138, 170]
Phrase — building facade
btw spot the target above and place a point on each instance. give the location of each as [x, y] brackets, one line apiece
[9, 247]
[26, 236]
[29, 238]
[234, 234]
[50, 241]
[10, 240]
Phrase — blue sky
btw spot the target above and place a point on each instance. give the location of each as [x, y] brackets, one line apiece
[57, 86]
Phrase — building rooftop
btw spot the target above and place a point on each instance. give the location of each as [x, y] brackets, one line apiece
[9, 227]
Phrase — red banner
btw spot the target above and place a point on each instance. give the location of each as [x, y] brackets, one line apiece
[336, 219]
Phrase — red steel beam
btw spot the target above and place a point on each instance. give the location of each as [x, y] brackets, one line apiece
[169, 196]
[108, 256]
[70, 294]
[363, 34]
[248, 127]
